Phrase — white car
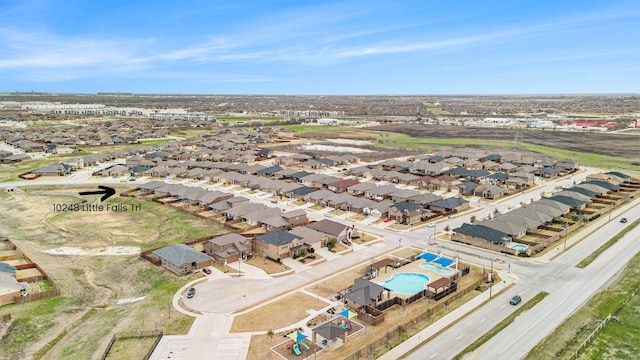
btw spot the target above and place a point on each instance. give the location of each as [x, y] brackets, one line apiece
[432, 224]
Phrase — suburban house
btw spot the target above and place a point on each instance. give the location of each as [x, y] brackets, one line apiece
[342, 185]
[52, 170]
[310, 237]
[489, 191]
[277, 244]
[406, 213]
[182, 259]
[333, 229]
[228, 248]
[449, 204]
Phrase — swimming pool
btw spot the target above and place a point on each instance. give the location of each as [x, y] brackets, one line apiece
[437, 269]
[519, 247]
[407, 283]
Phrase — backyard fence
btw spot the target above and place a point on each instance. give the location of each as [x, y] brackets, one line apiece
[135, 335]
[402, 332]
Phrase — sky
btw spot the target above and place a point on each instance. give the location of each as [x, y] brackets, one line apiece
[320, 47]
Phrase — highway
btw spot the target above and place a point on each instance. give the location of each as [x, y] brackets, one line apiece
[568, 287]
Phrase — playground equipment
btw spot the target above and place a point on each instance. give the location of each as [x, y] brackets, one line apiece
[296, 349]
[296, 341]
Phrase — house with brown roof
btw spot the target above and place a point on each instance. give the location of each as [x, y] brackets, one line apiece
[310, 237]
[333, 229]
[228, 248]
[342, 185]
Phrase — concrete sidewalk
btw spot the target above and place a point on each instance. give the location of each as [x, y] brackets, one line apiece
[432, 330]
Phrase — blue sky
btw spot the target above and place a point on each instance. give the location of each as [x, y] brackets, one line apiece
[320, 47]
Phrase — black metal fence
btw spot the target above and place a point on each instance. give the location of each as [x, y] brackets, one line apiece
[397, 335]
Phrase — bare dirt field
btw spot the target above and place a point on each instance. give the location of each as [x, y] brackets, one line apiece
[619, 145]
[89, 310]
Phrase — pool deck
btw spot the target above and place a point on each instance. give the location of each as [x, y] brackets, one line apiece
[413, 267]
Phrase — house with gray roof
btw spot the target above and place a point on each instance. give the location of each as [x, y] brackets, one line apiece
[449, 205]
[182, 259]
[277, 244]
[469, 233]
[364, 292]
[515, 230]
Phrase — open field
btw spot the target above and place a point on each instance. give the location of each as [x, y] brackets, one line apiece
[87, 312]
[563, 143]
[616, 340]
[278, 314]
[248, 118]
[389, 141]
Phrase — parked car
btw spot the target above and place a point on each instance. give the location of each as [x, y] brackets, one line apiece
[206, 271]
[432, 224]
[346, 242]
[274, 201]
[387, 220]
[191, 293]
[132, 179]
[515, 300]
[623, 220]
[327, 215]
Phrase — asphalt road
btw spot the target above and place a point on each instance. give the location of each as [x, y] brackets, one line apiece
[568, 287]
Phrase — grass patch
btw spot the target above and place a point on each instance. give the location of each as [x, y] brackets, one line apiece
[32, 320]
[503, 324]
[133, 348]
[594, 255]
[278, 314]
[616, 340]
[249, 118]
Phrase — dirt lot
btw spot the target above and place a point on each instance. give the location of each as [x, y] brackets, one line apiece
[627, 146]
[87, 312]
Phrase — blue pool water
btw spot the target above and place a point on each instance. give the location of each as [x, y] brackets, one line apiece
[407, 283]
[436, 269]
[519, 247]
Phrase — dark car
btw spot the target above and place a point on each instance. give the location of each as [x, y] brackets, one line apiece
[623, 220]
[515, 300]
[191, 293]
[206, 271]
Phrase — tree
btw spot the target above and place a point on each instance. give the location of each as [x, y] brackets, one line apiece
[473, 219]
[331, 243]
